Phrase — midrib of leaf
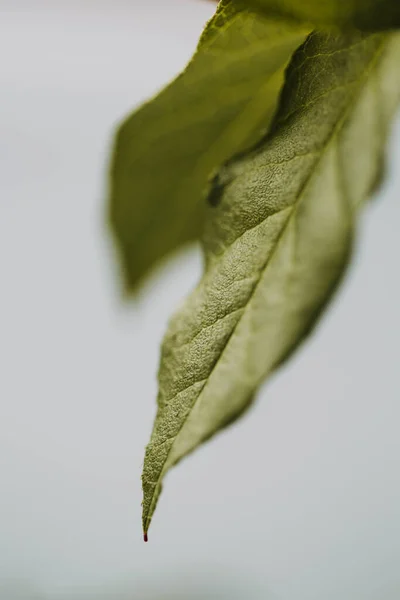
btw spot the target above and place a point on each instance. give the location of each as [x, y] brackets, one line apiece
[332, 139]
[359, 84]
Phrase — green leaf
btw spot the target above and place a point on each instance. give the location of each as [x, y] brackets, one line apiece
[166, 152]
[367, 15]
[276, 242]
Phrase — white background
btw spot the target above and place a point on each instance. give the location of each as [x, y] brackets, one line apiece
[298, 501]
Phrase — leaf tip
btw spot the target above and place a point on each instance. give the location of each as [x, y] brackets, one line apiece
[145, 537]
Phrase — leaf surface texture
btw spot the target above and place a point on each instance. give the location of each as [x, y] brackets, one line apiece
[277, 239]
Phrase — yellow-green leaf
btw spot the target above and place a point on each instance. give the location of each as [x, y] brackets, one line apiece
[277, 240]
[367, 15]
[165, 152]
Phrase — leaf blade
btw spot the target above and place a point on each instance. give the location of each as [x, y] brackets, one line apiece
[165, 153]
[274, 253]
[367, 15]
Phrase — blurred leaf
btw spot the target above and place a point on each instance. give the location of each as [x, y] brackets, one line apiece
[367, 15]
[166, 152]
[276, 242]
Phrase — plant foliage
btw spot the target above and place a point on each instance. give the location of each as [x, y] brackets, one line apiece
[367, 15]
[166, 152]
[265, 149]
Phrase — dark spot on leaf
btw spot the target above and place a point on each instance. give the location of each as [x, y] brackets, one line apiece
[216, 191]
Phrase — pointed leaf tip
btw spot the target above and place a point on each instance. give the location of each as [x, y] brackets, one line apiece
[145, 537]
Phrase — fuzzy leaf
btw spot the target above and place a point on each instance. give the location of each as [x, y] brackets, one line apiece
[367, 15]
[166, 152]
[276, 242]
